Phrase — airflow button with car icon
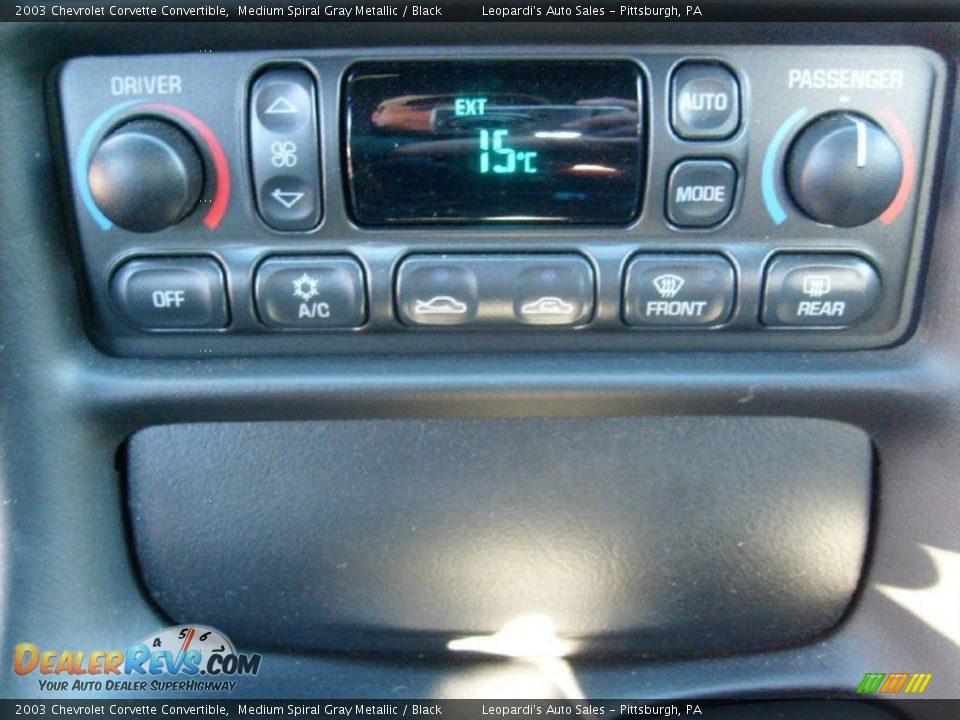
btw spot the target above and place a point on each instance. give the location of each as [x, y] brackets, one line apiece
[508, 290]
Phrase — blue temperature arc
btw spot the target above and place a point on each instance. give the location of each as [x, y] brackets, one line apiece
[83, 161]
[768, 185]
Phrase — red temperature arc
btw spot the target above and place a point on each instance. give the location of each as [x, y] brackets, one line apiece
[221, 195]
[909, 166]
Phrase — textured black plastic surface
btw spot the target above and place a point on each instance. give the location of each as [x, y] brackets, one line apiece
[68, 580]
[652, 536]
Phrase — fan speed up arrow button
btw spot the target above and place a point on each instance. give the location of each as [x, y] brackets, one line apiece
[285, 148]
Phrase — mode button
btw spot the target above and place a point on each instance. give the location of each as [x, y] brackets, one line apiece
[700, 192]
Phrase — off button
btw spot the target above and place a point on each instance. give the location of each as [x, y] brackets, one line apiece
[700, 192]
[182, 293]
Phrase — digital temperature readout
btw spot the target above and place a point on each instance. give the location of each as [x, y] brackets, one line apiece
[511, 161]
[484, 141]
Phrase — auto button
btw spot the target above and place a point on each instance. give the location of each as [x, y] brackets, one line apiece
[705, 101]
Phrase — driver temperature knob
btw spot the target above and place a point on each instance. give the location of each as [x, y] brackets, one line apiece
[146, 175]
[843, 169]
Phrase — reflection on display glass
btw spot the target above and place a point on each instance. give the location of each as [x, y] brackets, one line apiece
[472, 142]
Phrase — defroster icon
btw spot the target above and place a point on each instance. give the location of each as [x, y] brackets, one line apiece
[668, 285]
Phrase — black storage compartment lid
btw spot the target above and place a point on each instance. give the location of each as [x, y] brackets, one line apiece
[646, 536]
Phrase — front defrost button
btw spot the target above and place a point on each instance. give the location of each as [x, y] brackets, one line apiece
[682, 290]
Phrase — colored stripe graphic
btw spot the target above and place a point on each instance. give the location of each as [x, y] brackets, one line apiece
[871, 683]
[768, 184]
[894, 682]
[918, 682]
[909, 166]
[186, 642]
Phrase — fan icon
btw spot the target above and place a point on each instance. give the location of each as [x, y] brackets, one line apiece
[306, 287]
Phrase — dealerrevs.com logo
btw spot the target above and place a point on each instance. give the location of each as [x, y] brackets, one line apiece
[199, 658]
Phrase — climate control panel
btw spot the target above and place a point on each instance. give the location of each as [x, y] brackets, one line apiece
[714, 198]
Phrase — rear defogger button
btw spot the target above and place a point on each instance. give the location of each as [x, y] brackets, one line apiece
[675, 290]
[819, 290]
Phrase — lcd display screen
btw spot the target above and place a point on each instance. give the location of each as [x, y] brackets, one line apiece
[494, 142]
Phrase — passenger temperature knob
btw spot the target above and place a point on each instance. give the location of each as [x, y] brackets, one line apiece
[843, 169]
[146, 175]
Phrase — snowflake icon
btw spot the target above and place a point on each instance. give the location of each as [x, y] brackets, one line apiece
[306, 287]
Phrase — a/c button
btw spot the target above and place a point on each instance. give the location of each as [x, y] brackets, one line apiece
[311, 292]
